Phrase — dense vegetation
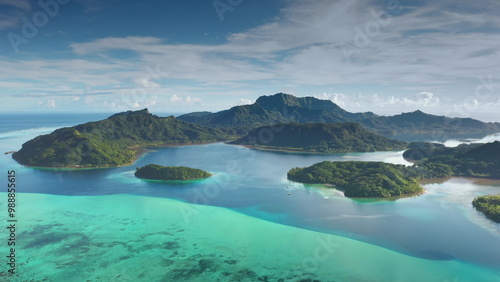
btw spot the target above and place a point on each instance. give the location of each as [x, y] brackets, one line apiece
[472, 160]
[419, 150]
[375, 179]
[421, 126]
[158, 172]
[111, 142]
[283, 108]
[489, 205]
[275, 109]
[360, 179]
[319, 137]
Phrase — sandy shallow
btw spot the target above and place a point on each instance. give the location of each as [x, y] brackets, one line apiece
[133, 238]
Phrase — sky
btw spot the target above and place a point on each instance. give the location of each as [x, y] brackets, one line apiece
[388, 57]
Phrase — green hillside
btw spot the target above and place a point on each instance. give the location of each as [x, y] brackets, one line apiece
[274, 109]
[284, 108]
[471, 160]
[319, 137]
[114, 141]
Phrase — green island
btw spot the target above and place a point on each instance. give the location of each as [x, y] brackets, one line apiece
[360, 179]
[283, 108]
[158, 172]
[467, 160]
[297, 124]
[489, 205]
[378, 179]
[318, 138]
[115, 141]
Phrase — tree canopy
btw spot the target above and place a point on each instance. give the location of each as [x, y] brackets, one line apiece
[158, 172]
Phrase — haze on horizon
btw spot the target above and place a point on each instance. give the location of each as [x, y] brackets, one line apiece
[387, 56]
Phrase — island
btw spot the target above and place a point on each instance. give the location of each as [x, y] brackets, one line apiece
[360, 179]
[341, 137]
[467, 160]
[158, 172]
[284, 108]
[378, 179]
[489, 205]
[112, 142]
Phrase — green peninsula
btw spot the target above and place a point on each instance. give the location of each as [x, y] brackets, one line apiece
[115, 141]
[378, 179]
[468, 160]
[360, 179]
[319, 138]
[489, 205]
[158, 172]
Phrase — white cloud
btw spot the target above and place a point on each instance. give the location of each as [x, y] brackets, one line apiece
[382, 103]
[244, 101]
[338, 98]
[175, 98]
[307, 45]
[51, 103]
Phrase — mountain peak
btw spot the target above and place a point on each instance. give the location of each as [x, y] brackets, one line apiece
[417, 112]
[144, 111]
[277, 99]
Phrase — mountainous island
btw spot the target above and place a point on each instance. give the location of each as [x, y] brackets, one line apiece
[115, 141]
[275, 109]
[158, 172]
[360, 179]
[284, 108]
[283, 122]
[489, 205]
[319, 137]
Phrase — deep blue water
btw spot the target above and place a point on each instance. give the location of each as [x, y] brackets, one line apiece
[441, 224]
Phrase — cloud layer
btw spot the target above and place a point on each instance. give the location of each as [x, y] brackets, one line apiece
[430, 55]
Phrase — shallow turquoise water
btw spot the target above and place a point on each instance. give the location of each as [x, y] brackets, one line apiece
[133, 238]
[82, 222]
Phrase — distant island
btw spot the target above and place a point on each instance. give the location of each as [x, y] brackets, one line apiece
[112, 142]
[360, 179]
[319, 138]
[489, 205]
[158, 172]
[283, 108]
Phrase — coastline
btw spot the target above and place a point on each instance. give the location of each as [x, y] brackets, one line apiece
[302, 151]
[139, 151]
[364, 199]
[176, 181]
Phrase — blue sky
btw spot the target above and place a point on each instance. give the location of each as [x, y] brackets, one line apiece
[180, 56]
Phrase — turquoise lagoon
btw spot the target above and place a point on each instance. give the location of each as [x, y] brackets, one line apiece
[241, 224]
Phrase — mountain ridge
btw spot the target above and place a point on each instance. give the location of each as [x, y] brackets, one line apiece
[285, 108]
[319, 137]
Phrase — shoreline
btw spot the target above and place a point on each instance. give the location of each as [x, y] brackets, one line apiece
[175, 181]
[391, 198]
[139, 152]
[301, 151]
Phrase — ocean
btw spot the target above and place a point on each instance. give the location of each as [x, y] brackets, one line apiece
[239, 225]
